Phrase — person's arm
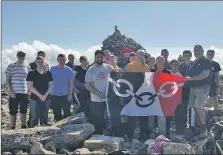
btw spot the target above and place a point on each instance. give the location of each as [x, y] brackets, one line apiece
[49, 88]
[32, 89]
[71, 84]
[8, 73]
[206, 71]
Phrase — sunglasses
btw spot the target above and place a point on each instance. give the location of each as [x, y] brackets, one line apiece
[21, 55]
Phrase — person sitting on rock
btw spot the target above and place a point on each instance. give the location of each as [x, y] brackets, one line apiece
[39, 82]
[16, 74]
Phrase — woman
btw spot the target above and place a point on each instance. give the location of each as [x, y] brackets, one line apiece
[113, 63]
[151, 63]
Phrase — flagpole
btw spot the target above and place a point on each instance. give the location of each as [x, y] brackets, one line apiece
[106, 98]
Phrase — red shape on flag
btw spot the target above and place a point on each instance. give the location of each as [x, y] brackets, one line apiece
[168, 103]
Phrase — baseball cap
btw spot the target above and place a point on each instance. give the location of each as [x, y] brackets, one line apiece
[20, 52]
[140, 53]
[198, 47]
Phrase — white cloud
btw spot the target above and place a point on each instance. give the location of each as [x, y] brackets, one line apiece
[9, 55]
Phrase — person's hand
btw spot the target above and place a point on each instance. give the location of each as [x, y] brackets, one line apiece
[12, 95]
[188, 78]
[101, 95]
[76, 90]
[69, 98]
[42, 98]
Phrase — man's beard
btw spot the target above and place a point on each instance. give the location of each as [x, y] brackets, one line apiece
[99, 62]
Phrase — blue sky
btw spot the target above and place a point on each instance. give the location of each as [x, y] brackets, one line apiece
[81, 25]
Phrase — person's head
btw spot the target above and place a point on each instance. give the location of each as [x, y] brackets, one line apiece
[40, 62]
[99, 54]
[21, 56]
[113, 60]
[140, 57]
[180, 59]
[160, 61]
[174, 65]
[198, 51]
[132, 57]
[187, 54]
[151, 62]
[42, 54]
[165, 53]
[210, 54]
[84, 60]
[106, 56]
[71, 58]
[61, 58]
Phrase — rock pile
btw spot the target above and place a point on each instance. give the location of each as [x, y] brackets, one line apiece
[117, 41]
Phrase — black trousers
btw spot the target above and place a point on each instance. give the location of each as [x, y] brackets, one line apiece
[182, 110]
[97, 116]
[59, 103]
[21, 101]
[83, 98]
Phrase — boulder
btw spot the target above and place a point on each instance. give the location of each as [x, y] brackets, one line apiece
[6, 153]
[100, 151]
[64, 151]
[63, 137]
[21, 152]
[37, 148]
[82, 151]
[4, 101]
[199, 146]
[50, 146]
[146, 147]
[79, 118]
[110, 144]
[177, 148]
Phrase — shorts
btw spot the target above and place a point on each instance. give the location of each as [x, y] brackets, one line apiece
[213, 90]
[21, 101]
[198, 96]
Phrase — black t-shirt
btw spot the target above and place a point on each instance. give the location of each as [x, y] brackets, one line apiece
[80, 76]
[72, 66]
[40, 82]
[164, 70]
[214, 70]
[185, 68]
[197, 68]
[33, 66]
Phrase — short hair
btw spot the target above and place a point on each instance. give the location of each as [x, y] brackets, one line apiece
[164, 50]
[132, 54]
[212, 51]
[61, 55]
[71, 55]
[187, 52]
[41, 53]
[39, 58]
[98, 52]
[82, 58]
[174, 60]
[151, 58]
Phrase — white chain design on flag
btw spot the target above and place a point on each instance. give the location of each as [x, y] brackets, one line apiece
[129, 92]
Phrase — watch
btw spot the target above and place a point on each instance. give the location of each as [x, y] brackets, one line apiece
[98, 93]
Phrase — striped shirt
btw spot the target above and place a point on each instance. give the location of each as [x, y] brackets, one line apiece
[18, 74]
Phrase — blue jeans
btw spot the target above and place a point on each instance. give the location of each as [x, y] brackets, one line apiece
[39, 111]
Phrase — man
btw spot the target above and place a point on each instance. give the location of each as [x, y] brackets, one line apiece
[215, 79]
[138, 65]
[106, 56]
[182, 109]
[33, 66]
[165, 54]
[83, 94]
[16, 74]
[174, 67]
[70, 63]
[62, 88]
[152, 63]
[39, 83]
[96, 83]
[200, 87]
[163, 122]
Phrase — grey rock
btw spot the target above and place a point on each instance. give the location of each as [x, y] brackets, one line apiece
[66, 136]
[6, 153]
[145, 147]
[110, 144]
[21, 152]
[64, 151]
[100, 151]
[37, 148]
[79, 118]
[50, 146]
[82, 151]
[177, 148]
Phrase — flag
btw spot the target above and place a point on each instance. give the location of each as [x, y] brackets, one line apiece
[144, 94]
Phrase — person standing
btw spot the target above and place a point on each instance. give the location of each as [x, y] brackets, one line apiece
[215, 79]
[138, 65]
[174, 67]
[199, 78]
[165, 54]
[96, 83]
[152, 63]
[16, 74]
[83, 94]
[62, 88]
[39, 83]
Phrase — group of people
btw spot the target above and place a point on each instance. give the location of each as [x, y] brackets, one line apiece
[41, 88]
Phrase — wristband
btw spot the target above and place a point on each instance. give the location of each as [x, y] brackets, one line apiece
[98, 93]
